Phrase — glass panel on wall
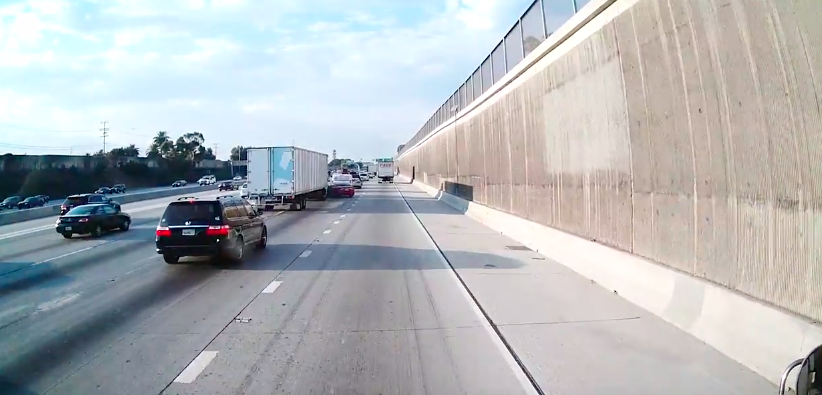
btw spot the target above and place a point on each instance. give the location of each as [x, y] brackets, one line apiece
[462, 102]
[469, 91]
[581, 3]
[532, 33]
[487, 77]
[477, 84]
[513, 47]
[498, 62]
[556, 13]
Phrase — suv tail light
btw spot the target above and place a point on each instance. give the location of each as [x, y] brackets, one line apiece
[163, 231]
[218, 230]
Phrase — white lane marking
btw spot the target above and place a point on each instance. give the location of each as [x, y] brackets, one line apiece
[59, 302]
[336, 222]
[11, 312]
[272, 287]
[25, 232]
[327, 232]
[343, 216]
[305, 254]
[506, 354]
[348, 210]
[195, 367]
[67, 254]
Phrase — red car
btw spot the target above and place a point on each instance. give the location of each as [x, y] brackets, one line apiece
[341, 186]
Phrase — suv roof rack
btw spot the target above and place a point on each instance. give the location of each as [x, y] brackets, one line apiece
[186, 198]
[225, 197]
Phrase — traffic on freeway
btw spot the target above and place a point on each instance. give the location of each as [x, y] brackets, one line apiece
[58, 201]
[350, 296]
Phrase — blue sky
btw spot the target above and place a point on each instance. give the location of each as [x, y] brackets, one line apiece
[358, 76]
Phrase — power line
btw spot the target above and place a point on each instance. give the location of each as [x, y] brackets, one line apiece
[10, 126]
[65, 147]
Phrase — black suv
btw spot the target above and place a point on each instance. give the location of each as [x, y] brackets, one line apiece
[213, 227]
[86, 198]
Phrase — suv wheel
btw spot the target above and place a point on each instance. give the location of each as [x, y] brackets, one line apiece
[171, 259]
[125, 225]
[97, 232]
[263, 239]
[237, 251]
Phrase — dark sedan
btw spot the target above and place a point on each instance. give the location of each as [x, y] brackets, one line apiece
[31, 202]
[94, 219]
[226, 186]
[10, 202]
[104, 191]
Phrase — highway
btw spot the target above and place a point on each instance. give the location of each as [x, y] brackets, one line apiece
[351, 296]
[57, 201]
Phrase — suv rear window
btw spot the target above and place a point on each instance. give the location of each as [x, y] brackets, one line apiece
[199, 213]
[74, 201]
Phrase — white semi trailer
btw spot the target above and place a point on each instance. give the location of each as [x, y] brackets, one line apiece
[286, 177]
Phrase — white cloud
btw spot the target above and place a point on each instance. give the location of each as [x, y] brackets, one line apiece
[238, 69]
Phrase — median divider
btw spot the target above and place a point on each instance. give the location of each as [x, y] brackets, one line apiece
[43, 212]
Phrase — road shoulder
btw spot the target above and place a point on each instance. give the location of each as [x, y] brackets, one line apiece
[564, 327]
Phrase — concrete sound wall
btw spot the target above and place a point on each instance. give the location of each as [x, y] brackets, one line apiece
[687, 132]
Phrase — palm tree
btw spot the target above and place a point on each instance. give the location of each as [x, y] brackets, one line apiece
[161, 145]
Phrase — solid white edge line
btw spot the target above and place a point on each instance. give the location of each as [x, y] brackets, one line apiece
[196, 367]
[272, 287]
[506, 354]
[305, 254]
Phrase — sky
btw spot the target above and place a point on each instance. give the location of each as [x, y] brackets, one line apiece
[358, 76]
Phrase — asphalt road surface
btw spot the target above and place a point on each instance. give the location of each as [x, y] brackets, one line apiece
[350, 297]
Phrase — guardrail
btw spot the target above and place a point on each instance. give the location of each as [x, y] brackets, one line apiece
[48, 211]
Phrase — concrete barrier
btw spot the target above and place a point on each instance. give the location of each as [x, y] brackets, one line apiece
[43, 212]
[759, 336]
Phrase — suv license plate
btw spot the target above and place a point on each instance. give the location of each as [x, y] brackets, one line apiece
[188, 232]
[68, 228]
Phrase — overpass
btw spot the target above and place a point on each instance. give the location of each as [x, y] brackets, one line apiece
[667, 150]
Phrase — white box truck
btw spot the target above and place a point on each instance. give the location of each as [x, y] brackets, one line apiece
[385, 169]
[286, 177]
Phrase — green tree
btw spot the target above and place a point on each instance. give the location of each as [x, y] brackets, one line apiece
[125, 152]
[161, 146]
[239, 153]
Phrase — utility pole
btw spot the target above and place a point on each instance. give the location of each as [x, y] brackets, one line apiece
[104, 129]
[216, 145]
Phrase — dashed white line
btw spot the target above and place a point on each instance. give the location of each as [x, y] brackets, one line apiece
[196, 367]
[61, 301]
[342, 216]
[64, 255]
[348, 210]
[25, 232]
[305, 254]
[336, 222]
[327, 232]
[272, 287]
